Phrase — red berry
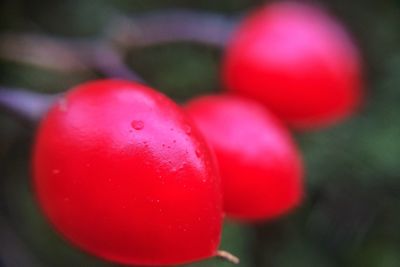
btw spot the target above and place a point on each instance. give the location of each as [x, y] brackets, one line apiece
[296, 60]
[259, 164]
[118, 173]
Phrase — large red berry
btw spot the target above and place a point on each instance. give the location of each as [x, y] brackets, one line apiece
[260, 166]
[120, 172]
[296, 60]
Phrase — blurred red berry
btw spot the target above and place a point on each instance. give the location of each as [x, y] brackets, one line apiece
[296, 60]
[120, 172]
[260, 166]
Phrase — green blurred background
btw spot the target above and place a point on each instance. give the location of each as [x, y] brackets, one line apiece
[351, 214]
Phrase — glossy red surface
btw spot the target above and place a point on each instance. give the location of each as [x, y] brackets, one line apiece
[296, 60]
[260, 166]
[120, 172]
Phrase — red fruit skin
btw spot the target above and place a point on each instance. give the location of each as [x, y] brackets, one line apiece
[260, 167]
[297, 61]
[120, 172]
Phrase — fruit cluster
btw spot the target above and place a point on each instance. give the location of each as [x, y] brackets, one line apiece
[124, 173]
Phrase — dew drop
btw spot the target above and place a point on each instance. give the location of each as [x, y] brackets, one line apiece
[137, 124]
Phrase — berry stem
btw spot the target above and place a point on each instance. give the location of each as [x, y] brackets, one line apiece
[225, 255]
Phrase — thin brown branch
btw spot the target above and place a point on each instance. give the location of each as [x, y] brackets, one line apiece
[42, 51]
[101, 55]
[65, 55]
[26, 105]
[172, 25]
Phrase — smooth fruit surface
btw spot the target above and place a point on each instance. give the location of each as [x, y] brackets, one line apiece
[120, 171]
[297, 61]
[259, 164]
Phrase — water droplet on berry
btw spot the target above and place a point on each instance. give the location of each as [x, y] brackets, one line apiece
[137, 124]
